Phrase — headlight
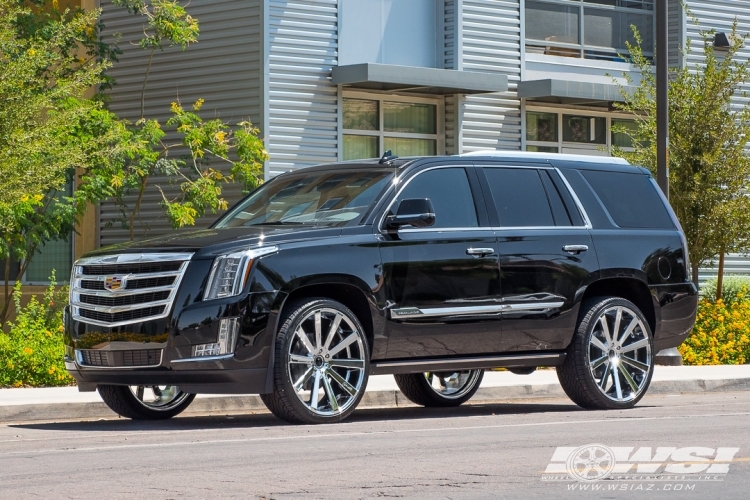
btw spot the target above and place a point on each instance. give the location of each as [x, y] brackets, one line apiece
[230, 272]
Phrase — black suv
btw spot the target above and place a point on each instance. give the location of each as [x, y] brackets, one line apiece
[431, 269]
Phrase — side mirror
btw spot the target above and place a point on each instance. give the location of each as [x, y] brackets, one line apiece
[415, 213]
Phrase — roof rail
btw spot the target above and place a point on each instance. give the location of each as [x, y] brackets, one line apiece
[529, 155]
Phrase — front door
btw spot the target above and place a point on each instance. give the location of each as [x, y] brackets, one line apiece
[545, 252]
[442, 282]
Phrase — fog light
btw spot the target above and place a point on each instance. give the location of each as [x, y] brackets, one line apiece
[228, 329]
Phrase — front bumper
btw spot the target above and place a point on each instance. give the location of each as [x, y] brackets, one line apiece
[169, 343]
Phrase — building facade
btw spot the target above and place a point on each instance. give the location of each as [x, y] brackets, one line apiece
[333, 80]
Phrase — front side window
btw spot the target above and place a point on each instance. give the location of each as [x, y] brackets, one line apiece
[330, 198]
[591, 29]
[450, 193]
[372, 127]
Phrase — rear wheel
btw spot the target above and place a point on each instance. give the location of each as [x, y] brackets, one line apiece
[152, 402]
[440, 389]
[322, 364]
[609, 364]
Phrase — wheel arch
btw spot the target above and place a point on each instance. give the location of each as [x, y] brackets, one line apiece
[632, 289]
[346, 290]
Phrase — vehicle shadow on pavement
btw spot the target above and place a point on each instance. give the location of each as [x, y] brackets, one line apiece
[251, 420]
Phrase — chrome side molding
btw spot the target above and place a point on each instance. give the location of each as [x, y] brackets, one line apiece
[415, 312]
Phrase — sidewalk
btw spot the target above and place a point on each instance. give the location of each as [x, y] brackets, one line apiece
[65, 403]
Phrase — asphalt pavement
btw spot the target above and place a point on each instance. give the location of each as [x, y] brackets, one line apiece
[486, 450]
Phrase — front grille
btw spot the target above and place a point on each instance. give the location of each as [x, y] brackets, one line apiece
[146, 267]
[119, 317]
[122, 289]
[94, 358]
[113, 359]
[143, 357]
[125, 300]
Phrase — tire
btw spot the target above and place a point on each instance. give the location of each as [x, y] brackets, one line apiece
[125, 401]
[319, 378]
[440, 390]
[606, 372]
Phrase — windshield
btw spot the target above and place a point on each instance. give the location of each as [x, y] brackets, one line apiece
[319, 198]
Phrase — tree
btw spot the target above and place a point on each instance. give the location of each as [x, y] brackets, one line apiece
[709, 169]
[51, 134]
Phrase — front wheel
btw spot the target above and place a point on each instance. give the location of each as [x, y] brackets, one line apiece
[609, 363]
[321, 366]
[440, 389]
[153, 402]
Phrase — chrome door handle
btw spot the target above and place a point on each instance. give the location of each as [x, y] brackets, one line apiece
[575, 248]
[480, 252]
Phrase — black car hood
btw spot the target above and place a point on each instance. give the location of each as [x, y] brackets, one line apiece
[210, 242]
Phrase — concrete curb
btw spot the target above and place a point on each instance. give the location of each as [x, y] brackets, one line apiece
[372, 399]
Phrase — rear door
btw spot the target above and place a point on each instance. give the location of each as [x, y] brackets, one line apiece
[441, 283]
[546, 254]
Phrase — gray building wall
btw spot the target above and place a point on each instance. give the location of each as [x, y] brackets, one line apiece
[223, 68]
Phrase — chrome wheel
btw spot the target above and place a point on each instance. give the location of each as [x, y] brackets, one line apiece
[159, 397]
[326, 362]
[619, 354]
[452, 385]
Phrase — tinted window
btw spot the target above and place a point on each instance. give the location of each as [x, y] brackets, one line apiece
[559, 212]
[449, 191]
[630, 199]
[520, 197]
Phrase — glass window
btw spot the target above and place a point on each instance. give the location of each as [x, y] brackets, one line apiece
[360, 146]
[631, 199]
[584, 129]
[552, 22]
[541, 126]
[519, 197]
[559, 212]
[622, 139]
[542, 149]
[319, 198]
[57, 255]
[410, 147]
[410, 118]
[360, 114]
[609, 28]
[450, 193]
[410, 128]
[593, 29]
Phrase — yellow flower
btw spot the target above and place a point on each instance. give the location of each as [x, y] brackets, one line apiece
[32, 52]
[60, 329]
[55, 5]
[28, 350]
[220, 136]
[24, 198]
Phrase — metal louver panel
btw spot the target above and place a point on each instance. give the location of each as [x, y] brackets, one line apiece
[302, 104]
[224, 68]
[491, 42]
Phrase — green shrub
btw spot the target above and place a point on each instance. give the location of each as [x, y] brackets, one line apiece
[731, 288]
[31, 354]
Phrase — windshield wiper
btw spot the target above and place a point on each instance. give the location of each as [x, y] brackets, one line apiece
[277, 223]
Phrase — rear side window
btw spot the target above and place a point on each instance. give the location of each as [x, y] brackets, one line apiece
[520, 197]
[631, 199]
[450, 193]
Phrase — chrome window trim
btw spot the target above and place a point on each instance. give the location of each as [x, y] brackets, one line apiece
[436, 312]
[576, 200]
[77, 277]
[79, 362]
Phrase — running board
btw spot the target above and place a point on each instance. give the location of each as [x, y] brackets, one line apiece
[469, 363]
